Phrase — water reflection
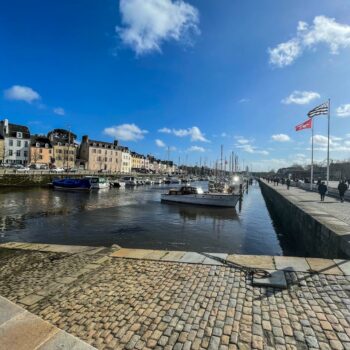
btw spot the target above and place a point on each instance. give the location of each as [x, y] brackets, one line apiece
[136, 218]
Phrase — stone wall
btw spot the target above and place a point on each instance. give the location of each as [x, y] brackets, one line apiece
[309, 233]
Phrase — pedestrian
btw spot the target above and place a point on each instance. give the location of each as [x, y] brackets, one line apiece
[342, 188]
[283, 180]
[288, 183]
[322, 189]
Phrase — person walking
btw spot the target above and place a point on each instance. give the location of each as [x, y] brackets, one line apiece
[322, 189]
[342, 188]
[288, 183]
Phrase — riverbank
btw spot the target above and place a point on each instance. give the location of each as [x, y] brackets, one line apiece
[322, 227]
[119, 299]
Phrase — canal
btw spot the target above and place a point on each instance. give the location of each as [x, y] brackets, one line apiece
[136, 218]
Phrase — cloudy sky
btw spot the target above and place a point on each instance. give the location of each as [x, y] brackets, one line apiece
[189, 75]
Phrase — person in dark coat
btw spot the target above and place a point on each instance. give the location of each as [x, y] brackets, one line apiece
[322, 189]
[342, 188]
[288, 183]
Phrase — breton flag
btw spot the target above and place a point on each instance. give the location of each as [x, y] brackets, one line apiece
[319, 110]
[305, 125]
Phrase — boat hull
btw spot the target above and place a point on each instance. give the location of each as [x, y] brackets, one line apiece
[213, 200]
[72, 184]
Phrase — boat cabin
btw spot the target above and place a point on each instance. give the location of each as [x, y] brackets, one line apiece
[185, 190]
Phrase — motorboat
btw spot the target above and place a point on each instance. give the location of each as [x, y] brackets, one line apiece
[72, 184]
[129, 181]
[195, 195]
[98, 182]
[149, 182]
[118, 184]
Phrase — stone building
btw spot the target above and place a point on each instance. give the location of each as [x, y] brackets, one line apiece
[16, 143]
[64, 148]
[41, 151]
[2, 150]
[100, 155]
[126, 161]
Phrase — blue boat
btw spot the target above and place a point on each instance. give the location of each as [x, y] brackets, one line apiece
[72, 184]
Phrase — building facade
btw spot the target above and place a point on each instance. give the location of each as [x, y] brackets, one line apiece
[64, 148]
[100, 155]
[126, 162]
[16, 143]
[41, 151]
[2, 150]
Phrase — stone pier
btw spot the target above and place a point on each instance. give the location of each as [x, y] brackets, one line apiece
[323, 228]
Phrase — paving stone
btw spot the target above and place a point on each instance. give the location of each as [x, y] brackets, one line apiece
[343, 265]
[193, 258]
[8, 310]
[291, 263]
[25, 331]
[30, 299]
[63, 340]
[325, 266]
[173, 256]
[260, 261]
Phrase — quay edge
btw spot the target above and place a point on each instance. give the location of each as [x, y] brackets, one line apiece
[320, 233]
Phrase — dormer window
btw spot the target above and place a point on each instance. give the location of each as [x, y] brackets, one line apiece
[37, 144]
[46, 145]
[19, 135]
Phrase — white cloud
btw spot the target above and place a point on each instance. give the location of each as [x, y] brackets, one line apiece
[242, 141]
[165, 130]
[59, 111]
[196, 149]
[194, 132]
[21, 93]
[280, 138]
[343, 111]
[301, 97]
[285, 53]
[126, 132]
[149, 23]
[243, 100]
[160, 143]
[324, 30]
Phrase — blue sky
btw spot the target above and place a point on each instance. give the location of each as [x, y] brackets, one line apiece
[205, 73]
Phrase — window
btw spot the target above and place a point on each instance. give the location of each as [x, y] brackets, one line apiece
[46, 145]
[40, 157]
[93, 150]
[10, 142]
[99, 151]
[18, 153]
[105, 159]
[19, 135]
[99, 159]
[10, 152]
[50, 151]
[18, 143]
[25, 143]
[40, 150]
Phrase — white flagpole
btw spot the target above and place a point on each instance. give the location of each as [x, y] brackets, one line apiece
[329, 119]
[312, 155]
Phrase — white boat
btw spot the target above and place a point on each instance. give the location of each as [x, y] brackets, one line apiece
[129, 181]
[194, 195]
[98, 182]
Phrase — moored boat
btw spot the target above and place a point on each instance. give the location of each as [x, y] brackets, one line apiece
[72, 184]
[98, 182]
[129, 181]
[194, 195]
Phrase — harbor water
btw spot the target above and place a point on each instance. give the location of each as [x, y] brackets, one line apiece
[135, 218]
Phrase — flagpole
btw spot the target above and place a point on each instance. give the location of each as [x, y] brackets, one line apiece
[329, 122]
[312, 155]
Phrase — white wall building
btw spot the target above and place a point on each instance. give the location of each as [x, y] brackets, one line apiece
[16, 143]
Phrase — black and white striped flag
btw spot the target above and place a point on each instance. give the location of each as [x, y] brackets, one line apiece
[319, 110]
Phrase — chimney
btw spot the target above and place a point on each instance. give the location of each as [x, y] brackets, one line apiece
[116, 142]
[6, 126]
[85, 139]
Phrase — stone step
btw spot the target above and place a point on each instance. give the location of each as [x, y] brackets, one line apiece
[21, 330]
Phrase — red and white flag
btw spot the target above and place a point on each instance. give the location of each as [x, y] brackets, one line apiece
[305, 125]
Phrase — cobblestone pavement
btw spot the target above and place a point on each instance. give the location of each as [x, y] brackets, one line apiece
[138, 304]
